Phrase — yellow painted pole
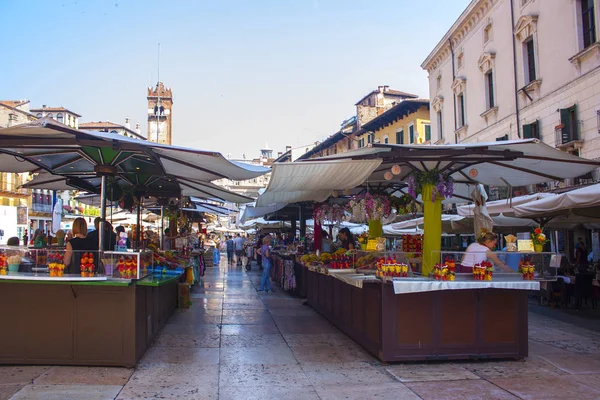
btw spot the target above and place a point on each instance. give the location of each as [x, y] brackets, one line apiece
[432, 226]
[375, 228]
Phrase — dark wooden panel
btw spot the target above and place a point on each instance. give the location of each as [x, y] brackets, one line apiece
[499, 313]
[372, 307]
[413, 319]
[105, 324]
[457, 317]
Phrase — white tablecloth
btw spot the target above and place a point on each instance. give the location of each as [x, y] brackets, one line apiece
[355, 280]
[413, 286]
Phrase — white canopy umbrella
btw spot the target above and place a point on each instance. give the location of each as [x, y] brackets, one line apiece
[505, 207]
[313, 181]
[584, 202]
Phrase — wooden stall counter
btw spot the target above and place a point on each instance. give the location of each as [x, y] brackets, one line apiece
[96, 323]
[467, 323]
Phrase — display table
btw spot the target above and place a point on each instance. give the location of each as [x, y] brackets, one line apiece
[467, 323]
[97, 323]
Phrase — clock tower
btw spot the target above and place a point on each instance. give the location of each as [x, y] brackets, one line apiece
[160, 114]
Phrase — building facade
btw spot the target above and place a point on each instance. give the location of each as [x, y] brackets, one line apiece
[351, 131]
[111, 127]
[404, 123]
[60, 114]
[511, 69]
[160, 114]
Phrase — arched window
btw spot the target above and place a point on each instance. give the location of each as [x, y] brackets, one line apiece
[113, 131]
[59, 118]
[39, 115]
[50, 116]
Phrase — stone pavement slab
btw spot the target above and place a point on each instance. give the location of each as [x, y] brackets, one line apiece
[67, 392]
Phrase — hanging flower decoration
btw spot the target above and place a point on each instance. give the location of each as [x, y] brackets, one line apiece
[367, 207]
[538, 237]
[401, 204]
[443, 185]
[332, 213]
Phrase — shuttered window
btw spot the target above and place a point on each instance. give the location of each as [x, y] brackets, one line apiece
[532, 131]
[570, 129]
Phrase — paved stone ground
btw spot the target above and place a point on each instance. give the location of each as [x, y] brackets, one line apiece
[235, 343]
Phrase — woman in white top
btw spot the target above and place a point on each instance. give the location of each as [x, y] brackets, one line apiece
[482, 250]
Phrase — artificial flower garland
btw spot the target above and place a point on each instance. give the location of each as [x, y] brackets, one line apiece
[443, 185]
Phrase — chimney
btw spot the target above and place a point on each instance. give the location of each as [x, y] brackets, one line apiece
[44, 106]
[138, 130]
[127, 124]
[279, 154]
[288, 148]
[380, 88]
[386, 88]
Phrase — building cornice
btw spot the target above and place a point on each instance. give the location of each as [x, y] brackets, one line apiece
[468, 20]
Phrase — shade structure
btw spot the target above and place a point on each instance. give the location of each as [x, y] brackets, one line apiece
[163, 171]
[504, 207]
[313, 181]
[503, 164]
[501, 224]
[251, 212]
[584, 202]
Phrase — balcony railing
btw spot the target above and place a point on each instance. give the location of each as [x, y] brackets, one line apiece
[45, 208]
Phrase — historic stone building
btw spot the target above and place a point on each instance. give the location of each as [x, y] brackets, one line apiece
[160, 114]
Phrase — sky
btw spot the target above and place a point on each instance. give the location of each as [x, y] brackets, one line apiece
[243, 73]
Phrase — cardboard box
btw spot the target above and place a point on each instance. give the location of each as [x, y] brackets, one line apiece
[184, 295]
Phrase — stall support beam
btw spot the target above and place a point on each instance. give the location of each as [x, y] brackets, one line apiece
[302, 224]
[294, 226]
[432, 223]
[102, 213]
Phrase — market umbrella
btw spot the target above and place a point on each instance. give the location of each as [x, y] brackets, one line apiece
[583, 202]
[506, 163]
[482, 219]
[504, 207]
[86, 159]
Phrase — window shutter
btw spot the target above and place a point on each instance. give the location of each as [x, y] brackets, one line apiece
[527, 131]
[539, 129]
[502, 138]
[427, 133]
[574, 124]
[566, 123]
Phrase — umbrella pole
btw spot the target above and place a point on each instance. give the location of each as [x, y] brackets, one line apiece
[138, 227]
[102, 213]
[162, 225]
[432, 225]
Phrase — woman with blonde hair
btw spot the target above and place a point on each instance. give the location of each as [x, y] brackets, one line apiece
[482, 250]
[78, 245]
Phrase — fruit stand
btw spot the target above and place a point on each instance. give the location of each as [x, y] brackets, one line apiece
[412, 318]
[91, 318]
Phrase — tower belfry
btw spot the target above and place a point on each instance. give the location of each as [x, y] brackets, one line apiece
[160, 114]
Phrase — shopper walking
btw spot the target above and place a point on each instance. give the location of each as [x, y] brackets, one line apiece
[265, 252]
[229, 245]
[239, 249]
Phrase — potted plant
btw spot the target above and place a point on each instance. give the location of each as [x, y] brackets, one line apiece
[539, 240]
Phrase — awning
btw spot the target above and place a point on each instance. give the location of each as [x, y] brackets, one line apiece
[504, 207]
[583, 202]
[501, 164]
[314, 181]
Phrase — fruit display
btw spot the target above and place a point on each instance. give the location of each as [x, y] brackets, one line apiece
[127, 267]
[483, 271]
[167, 259]
[444, 272]
[86, 266]
[412, 243]
[527, 269]
[341, 261]
[390, 268]
[3, 264]
[368, 261]
[56, 266]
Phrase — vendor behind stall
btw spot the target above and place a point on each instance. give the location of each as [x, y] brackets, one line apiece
[78, 245]
[347, 239]
[482, 250]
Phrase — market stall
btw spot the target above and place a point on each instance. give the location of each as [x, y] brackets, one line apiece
[106, 308]
[415, 318]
